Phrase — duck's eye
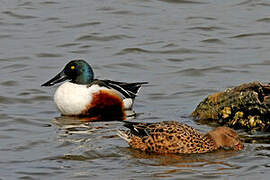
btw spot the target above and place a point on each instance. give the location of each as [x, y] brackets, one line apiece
[72, 67]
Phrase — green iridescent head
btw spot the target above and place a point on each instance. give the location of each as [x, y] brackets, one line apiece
[77, 71]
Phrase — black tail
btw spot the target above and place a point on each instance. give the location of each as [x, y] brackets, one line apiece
[137, 129]
[129, 90]
[133, 87]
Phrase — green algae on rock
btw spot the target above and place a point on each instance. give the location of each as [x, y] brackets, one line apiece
[246, 106]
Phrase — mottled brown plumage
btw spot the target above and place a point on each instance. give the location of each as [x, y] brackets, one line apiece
[174, 137]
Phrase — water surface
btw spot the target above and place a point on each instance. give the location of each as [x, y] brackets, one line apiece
[185, 49]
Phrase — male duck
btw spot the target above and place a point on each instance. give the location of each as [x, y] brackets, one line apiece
[174, 137]
[85, 96]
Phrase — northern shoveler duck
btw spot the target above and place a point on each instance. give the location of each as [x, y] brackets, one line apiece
[85, 96]
[174, 137]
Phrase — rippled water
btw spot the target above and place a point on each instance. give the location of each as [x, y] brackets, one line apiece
[186, 49]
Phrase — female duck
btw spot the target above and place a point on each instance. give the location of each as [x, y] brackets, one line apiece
[174, 137]
[85, 96]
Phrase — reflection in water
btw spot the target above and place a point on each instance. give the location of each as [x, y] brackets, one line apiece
[184, 160]
[214, 163]
[73, 125]
[77, 120]
[87, 140]
[78, 125]
[258, 137]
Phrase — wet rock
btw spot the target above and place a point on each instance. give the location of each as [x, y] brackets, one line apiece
[246, 106]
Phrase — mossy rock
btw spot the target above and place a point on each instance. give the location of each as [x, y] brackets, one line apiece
[246, 106]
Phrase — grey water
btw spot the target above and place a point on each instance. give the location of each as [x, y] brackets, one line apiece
[185, 49]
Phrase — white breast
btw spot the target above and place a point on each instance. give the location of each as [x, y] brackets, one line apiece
[72, 99]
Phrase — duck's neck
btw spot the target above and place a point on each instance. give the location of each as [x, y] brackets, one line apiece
[211, 136]
[82, 80]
